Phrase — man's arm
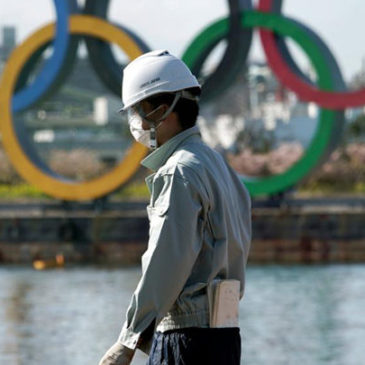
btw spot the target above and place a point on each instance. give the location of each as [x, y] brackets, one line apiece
[173, 247]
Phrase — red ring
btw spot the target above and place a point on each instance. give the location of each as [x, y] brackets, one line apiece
[305, 91]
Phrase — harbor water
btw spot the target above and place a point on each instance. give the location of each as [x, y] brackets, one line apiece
[308, 315]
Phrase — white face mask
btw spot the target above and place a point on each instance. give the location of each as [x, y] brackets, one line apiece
[148, 137]
[139, 134]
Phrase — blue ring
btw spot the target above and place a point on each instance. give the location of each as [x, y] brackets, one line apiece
[28, 96]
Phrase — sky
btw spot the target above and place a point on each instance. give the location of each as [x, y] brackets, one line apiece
[172, 24]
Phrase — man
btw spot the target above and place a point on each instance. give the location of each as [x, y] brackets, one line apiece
[200, 226]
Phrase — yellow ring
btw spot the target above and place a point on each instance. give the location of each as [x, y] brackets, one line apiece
[84, 25]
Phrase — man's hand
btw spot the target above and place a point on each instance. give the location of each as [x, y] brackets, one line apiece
[117, 355]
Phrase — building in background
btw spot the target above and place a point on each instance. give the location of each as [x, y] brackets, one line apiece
[259, 113]
[8, 42]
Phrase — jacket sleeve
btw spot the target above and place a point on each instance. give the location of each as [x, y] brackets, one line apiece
[173, 247]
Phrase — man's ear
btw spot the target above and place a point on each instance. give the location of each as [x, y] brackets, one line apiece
[164, 108]
[162, 111]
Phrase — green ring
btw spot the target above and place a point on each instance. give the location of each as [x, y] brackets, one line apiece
[321, 140]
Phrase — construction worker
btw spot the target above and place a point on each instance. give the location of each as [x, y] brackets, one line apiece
[200, 227]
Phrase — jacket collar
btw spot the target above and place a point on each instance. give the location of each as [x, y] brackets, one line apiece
[158, 158]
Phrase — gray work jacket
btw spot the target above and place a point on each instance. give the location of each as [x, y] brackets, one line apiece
[200, 230]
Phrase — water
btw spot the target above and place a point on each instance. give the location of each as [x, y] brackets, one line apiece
[308, 315]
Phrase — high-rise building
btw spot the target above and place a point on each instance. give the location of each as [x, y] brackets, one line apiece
[8, 42]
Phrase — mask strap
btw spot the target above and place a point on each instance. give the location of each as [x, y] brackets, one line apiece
[153, 126]
[171, 107]
[153, 140]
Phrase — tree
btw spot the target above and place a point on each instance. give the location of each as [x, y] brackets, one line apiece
[356, 129]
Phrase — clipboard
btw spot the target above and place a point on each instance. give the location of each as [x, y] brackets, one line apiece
[224, 296]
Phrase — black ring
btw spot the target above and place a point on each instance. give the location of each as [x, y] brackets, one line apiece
[100, 53]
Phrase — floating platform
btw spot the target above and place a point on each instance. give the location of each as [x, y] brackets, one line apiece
[292, 231]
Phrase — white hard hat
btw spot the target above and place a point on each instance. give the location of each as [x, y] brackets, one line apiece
[154, 73]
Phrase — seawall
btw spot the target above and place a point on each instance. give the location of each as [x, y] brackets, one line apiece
[299, 232]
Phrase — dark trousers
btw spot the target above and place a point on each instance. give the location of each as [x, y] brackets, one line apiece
[196, 346]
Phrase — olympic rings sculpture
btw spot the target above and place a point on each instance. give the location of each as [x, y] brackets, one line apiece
[330, 93]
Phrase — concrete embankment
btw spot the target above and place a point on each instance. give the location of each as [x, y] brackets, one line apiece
[291, 233]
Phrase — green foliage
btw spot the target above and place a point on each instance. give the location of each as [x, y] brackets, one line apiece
[356, 129]
[20, 191]
[137, 190]
[344, 172]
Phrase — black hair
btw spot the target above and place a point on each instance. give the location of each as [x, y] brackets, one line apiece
[186, 109]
